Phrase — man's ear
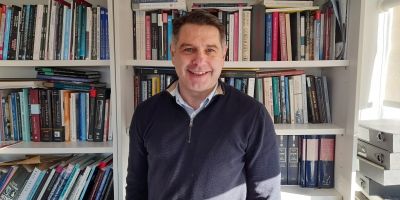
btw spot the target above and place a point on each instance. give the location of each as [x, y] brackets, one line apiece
[172, 49]
[224, 49]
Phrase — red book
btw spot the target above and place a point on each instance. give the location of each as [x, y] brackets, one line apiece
[148, 37]
[275, 35]
[236, 37]
[35, 114]
[282, 34]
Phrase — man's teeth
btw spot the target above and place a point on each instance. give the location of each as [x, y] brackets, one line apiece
[199, 73]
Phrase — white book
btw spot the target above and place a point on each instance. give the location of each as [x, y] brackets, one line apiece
[38, 30]
[46, 184]
[268, 96]
[29, 184]
[231, 32]
[246, 23]
[89, 18]
[287, 4]
[52, 32]
[288, 37]
[240, 35]
[72, 111]
[251, 86]
[298, 99]
[179, 5]
[302, 38]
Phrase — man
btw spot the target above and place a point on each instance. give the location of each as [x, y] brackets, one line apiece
[201, 139]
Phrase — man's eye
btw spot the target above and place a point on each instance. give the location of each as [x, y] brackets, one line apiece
[210, 50]
[188, 50]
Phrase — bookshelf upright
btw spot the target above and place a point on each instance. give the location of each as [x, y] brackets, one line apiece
[343, 89]
[26, 69]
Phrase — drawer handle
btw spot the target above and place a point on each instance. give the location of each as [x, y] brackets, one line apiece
[379, 157]
[362, 183]
[380, 136]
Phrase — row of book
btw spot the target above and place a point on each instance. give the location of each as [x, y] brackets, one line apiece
[56, 31]
[58, 177]
[307, 160]
[290, 96]
[52, 115]
[252, 33]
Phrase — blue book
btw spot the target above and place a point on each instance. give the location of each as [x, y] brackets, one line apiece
[82, 116]
[36, 185]
[287, 101]
[104, 181]
[169, 36]
[14, 117]
[293, 159]
[107, 43]
[302, 163]
[326, 165]
[311, 162]
[26, 136]
[82, 46]
[7, 33]
[102, 34]
[282, 141]
[67, 33]
[268, 36]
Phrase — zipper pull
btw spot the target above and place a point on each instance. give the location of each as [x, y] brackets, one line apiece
[190, 130]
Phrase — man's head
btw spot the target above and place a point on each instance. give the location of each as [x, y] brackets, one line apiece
[198, 52]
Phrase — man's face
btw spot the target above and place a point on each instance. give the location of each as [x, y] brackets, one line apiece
[198, 57]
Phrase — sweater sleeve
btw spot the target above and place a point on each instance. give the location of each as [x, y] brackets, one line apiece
[262, 160]
[136, 180]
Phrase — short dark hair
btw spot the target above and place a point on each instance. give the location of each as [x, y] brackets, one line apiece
[198, 17]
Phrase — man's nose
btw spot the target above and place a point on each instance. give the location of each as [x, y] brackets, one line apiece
[199, 58]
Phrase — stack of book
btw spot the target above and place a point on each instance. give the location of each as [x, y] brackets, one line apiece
[58, 177]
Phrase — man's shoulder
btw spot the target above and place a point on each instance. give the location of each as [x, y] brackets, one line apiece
[241, 99]
[153, 102]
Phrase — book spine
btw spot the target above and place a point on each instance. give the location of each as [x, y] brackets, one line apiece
[311, 162]
[82, 117]
[293, 159]
[58, 129]
[99, 121]
[326, 165]
[282, 141]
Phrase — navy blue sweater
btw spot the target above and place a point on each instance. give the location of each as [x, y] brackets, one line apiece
[232, 153]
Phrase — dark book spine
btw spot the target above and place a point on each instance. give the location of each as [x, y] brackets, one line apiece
[109, 194]
[312, 104]
[99, 120]
[52, 182]
[293, 159]
[59, 31]
[257, 41]
[326, 165]
[282, 141]
[134, 35]
[41, 185]
[320, 100]
[43, 33]
[21, 51]
[46, 134]
[94, 34]
[96, 184]
[154, 36]
[92, 113]
[58, 129]
[35, 114]
[12, 48]
[32, 25]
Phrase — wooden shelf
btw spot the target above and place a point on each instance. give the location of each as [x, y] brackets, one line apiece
[253, 64]
[290, 192]
[54, 63]
[57, 148]
[308, 129]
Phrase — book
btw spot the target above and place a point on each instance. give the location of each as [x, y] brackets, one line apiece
[326, 161]
[282, 141]
[10, 83]
[293, 159]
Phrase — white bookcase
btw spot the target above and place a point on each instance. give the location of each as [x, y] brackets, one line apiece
[343, 88]
[26, 69]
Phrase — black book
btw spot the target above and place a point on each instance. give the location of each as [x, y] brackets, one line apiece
[101, 95]
[59, 31]
[43, 33]
[31, 33]
[46, 130]
[58, 129]
[134, 35]
[154, 35]
[16, 183]
[65, 71]
[257, 36]
[41, 185]
[92, 113]
[22, 41]
[12, 44]
[295, 34]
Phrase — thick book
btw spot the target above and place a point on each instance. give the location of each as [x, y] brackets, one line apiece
[257, 33]
[34, 102]
[46, 125]
[326, 162]
[16, 183]
[101, 95]
[311, 162]
[293, 159]
[282, 141]
[58, 128]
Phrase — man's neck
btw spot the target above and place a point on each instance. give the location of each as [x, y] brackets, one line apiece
[194, 99]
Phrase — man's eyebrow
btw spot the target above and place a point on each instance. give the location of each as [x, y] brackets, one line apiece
[185, 45]
[190, 45]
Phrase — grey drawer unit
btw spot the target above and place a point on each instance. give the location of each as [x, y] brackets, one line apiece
[381, 133]
[372, 188]
[378, 173]
[378, 156]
